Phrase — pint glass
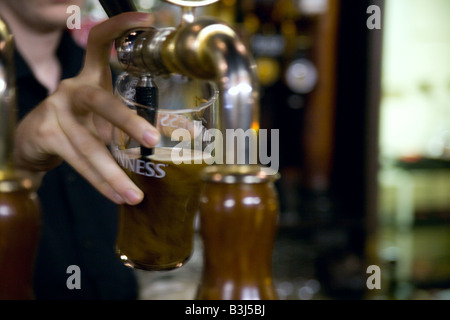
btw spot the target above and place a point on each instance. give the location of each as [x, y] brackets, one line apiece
[157, 234]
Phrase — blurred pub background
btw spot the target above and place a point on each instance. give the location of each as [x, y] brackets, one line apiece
[364, 120]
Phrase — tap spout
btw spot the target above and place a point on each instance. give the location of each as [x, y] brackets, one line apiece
[204, 49]
[210, 50]
[7, 101]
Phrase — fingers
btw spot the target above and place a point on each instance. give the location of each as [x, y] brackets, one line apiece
[102, 36]
[51, 132]
[112, 182]
[86, 150]
[33, 134]
[110, 108]
[91, 158]
[71, 120]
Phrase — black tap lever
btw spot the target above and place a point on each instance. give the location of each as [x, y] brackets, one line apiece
[115, 7]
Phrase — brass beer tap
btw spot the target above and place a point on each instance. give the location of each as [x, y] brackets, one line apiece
[202, 48]
[19, 209]
[239, 206]
[7, 101]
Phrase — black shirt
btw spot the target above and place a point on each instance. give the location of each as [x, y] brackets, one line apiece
[79, 225]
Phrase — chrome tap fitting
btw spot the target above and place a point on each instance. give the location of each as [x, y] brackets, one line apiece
[202, 48]
[7, 101]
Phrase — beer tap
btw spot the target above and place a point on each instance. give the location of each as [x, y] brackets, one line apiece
[239, 205]
[19, 209]
[202, 48]
[7, 102]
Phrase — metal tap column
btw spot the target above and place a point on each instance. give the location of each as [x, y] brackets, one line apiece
[204, 49]
[7, 101]
[19, 207]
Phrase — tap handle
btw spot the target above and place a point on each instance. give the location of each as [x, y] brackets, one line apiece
[147, 97]
[115, 7]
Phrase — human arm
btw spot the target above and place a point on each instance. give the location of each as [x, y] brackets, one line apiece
[75, 122]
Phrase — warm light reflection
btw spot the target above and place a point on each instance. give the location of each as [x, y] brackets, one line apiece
[250, 293]
[249, 201]
[228, 288]
[4, 211]
[230, 203]
[240, 88]
[2, 85]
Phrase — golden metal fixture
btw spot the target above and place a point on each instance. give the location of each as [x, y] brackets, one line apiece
[20, 212]
[7, 101]
[203, 48]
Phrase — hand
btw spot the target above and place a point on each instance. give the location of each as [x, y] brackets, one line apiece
[75, 122]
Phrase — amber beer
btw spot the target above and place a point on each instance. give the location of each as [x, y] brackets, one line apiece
[19, 208]
[157, 234]
[19, 235]
[238, 224]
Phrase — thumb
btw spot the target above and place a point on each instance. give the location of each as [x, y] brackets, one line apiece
[102, 36]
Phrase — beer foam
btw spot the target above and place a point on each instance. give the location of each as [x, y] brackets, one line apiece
[166, 154]
[184, 155]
